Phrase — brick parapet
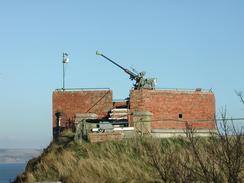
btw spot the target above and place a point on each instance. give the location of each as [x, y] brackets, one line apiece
[197, 108]
[70, 103]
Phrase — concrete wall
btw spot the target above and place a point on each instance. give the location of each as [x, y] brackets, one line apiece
[166, 106]
[72, 102]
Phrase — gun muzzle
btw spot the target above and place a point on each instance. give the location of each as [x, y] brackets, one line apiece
[98, 53]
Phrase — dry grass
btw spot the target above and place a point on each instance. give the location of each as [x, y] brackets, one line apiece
[134, 160]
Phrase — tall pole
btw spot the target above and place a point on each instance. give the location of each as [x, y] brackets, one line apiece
[63, 72]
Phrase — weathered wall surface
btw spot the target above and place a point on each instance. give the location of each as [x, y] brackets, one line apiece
[172, 109]
[100, 137]
[72, 102]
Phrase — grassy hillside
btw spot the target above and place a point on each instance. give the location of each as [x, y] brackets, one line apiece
[140, 159]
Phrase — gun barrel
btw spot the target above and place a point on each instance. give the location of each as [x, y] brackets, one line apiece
[132, 75]
[113, 62]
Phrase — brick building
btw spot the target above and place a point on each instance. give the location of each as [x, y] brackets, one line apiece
[69, 103]
[170, 110]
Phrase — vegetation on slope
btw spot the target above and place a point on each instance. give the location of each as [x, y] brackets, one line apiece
[141, 159]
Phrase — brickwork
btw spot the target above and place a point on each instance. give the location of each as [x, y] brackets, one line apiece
[120, 104]
[100, 137]
[70, 103]
[172, 109]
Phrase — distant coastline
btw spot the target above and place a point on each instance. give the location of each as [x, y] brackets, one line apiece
[18, 156]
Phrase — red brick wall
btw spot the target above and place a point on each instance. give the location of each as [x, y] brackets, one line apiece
[197, 108]
[120, 104]
[72, 102]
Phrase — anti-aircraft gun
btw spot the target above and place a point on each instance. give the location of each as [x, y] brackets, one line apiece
[140, 81]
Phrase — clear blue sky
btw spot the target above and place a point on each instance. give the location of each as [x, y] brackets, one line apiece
[185, 44]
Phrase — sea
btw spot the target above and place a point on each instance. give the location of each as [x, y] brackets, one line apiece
[8, 172]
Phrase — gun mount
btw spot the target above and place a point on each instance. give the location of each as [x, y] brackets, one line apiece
[140, 81]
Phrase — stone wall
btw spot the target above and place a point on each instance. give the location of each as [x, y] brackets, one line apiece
[100, 137]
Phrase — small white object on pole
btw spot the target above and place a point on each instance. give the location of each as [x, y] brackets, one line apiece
[65, 61]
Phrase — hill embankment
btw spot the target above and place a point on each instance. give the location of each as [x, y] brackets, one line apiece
[140, 159]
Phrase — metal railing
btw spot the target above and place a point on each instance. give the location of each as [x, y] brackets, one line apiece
[186, 89]
[81, 89]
